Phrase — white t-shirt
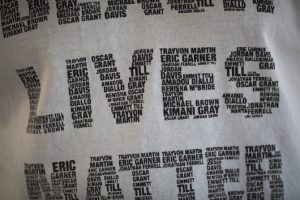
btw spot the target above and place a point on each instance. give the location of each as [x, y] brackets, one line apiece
[149, 99]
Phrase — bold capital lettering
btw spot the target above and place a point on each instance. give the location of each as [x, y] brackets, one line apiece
[139, 164]
[264, 6]
[183, 161]
[127, 106]
[175, 83]
[263, 164]
[68, 11]
[79, 92]
[102, 167]
[13, 24]
[49, 123]
[63, 181]
[192, 6]
[217, 177]
[268, 88]
[118, 9]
